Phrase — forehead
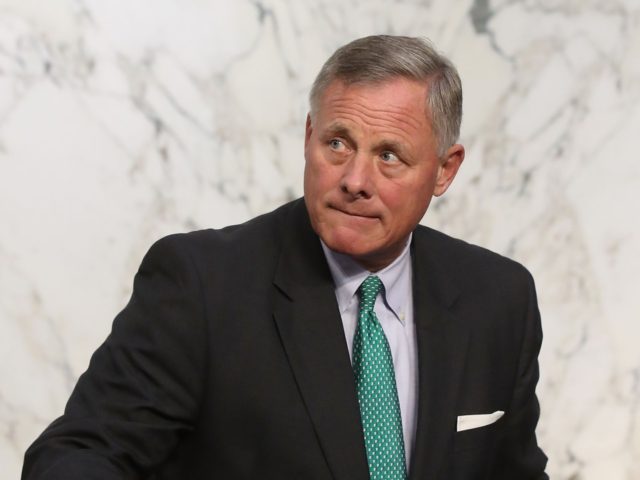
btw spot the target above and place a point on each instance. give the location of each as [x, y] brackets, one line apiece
[398, 106]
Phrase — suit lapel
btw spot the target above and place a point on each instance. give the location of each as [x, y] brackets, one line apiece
[442, 346]
[308, 320]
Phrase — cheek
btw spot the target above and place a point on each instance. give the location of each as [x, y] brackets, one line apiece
[406, 204]
[319, 177]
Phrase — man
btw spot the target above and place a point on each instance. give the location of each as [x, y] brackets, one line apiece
[333, 338]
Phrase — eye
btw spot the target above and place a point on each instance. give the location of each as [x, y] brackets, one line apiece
[389, 157]
[336, 144]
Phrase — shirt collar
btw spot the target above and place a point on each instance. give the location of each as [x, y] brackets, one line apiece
[348, 275]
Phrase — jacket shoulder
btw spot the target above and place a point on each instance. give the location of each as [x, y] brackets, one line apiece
[247, 249]
[470, 264]
[262, 232]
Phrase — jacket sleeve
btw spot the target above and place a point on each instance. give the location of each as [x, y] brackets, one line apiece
[142, 389]
[520, 457]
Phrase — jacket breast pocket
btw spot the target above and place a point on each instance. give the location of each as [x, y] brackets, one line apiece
[479, 438]
[474, 453]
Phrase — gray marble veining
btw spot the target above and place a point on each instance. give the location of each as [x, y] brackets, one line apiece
[124, 121]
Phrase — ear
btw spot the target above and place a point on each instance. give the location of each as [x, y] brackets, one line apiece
[449, 165]
[308, 130]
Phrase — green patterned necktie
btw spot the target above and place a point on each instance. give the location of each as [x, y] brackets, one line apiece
[377, 393]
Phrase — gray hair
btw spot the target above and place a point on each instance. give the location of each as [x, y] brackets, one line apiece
[380, 58]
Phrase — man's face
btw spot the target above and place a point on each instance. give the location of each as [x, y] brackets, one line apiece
[372, 168]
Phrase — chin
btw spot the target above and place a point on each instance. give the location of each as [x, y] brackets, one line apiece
[353, 244]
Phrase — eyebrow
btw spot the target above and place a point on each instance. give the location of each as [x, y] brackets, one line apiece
[390, 145]
[338, 129]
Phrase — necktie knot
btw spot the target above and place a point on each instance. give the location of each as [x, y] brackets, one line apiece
[368, 292]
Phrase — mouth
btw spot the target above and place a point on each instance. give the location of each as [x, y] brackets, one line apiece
[354, 213]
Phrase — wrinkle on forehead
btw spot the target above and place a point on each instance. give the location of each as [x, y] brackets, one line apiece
[399, 114]
[384, 122]
[392, 119]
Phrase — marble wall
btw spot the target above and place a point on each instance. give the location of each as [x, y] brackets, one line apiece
[123, 121]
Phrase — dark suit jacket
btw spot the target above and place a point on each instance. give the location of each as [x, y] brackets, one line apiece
[230, 362]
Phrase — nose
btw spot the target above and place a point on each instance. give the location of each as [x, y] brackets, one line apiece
[357, 179]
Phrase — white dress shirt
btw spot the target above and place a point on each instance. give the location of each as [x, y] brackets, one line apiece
[394, 309]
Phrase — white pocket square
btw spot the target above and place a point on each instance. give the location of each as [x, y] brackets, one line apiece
[467, 422]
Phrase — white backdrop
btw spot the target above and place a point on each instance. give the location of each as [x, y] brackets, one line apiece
[123, 121]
